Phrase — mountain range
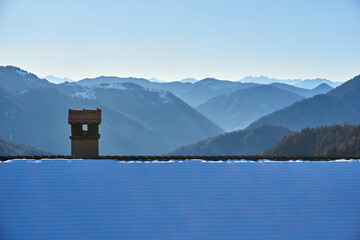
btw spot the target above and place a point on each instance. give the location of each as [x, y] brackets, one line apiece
[191, 93]
[307, 83]
[238, 109]
[135, 121]
[211, 94]
[195, 93]
[267, 80]
[338, 106]
[144, 117]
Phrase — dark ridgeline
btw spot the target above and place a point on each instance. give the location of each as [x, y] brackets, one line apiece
[16, 79]
[84, 132]
[17, 149]
[243, 142]
[338, 140]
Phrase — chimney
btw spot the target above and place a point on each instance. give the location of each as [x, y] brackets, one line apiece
[84, 132]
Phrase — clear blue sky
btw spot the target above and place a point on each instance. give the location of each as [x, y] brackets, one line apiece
[170, 40]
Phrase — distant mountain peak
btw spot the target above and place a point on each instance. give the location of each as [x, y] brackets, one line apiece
[188, 80]
[313, 83]
[323, 86]
[57, 80]
[267, 80]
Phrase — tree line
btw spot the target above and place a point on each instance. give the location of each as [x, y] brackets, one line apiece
[337, 140]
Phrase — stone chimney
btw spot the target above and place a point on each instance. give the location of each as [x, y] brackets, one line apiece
[84, 132]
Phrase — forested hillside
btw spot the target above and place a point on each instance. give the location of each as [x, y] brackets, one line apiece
[243, 142]
[16, 149]
[337, 140]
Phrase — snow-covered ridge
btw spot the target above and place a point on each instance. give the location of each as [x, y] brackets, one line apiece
[86, 93]
[89, 92]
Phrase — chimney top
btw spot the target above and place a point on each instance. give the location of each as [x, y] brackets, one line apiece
[84, 116]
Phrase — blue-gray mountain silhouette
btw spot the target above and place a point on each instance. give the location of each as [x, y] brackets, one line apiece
[339, 106]
[238, 109]
[306, 93]
[191, 93]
